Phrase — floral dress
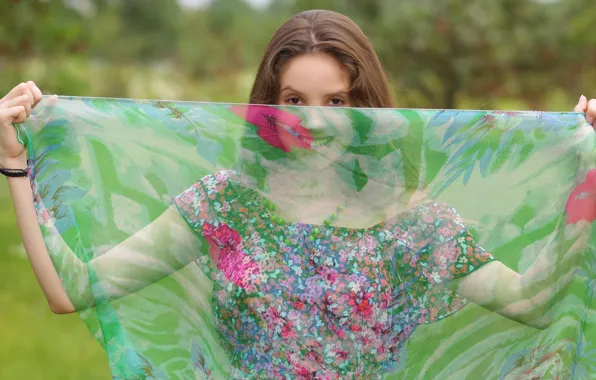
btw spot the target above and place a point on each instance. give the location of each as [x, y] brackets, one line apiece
[298, 301]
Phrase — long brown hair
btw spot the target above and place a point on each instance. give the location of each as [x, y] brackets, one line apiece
[325, 32]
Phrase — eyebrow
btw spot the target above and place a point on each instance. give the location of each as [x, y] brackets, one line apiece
[341, 93]
[291, 89]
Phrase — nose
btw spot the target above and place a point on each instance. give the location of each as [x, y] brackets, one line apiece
[315, 119]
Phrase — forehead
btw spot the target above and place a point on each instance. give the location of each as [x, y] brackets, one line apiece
[315, 73]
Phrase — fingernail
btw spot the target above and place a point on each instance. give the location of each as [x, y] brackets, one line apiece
[582, 98]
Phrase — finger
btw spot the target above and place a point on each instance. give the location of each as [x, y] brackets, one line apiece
[15, 92]
[15, 114]
[22, 100]
[591, 112]
[582, 104]
[52, 100]
[30, 100]
[21, 116]
[37, 95]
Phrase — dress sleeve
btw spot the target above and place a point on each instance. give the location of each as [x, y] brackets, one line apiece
[434, 248]
[212, 208]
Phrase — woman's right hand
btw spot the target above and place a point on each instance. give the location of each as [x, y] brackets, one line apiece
[15, 107]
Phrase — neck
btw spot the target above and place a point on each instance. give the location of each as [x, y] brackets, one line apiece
[314, 198]
[322, 185]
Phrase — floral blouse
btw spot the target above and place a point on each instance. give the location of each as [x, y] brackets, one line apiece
[298, 301]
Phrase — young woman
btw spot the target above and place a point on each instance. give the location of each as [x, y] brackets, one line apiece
[317, 58]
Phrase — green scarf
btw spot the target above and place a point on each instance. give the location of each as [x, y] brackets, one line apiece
[201, 240]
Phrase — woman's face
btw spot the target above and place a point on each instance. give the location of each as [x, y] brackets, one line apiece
[315, 79]
[319, 82]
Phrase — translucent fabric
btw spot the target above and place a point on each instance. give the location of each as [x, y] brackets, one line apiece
[219, 241]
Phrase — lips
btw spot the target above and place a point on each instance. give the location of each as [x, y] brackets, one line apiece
[320, 142]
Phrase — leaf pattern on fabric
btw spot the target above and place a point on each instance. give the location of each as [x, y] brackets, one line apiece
[262, 295]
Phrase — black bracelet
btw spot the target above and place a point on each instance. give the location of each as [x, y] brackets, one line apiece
[14, 173]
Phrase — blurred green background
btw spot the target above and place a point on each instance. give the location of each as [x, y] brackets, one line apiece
[483, 54]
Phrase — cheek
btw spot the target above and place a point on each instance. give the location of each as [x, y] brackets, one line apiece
[344, 127]
[346, 137]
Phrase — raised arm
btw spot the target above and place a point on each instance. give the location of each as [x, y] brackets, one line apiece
[528, 297]
[161, 248]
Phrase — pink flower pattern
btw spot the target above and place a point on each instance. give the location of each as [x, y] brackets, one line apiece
[281, 129]
[581, 204]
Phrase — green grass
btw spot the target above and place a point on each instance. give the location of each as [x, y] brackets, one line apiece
[34, 342]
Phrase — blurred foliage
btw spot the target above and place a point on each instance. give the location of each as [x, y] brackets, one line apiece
[499, 54]
[448, 53]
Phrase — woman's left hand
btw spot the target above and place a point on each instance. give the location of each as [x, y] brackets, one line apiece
[587, 107]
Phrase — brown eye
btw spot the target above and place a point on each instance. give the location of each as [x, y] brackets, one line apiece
[336, 102]
[293, 101]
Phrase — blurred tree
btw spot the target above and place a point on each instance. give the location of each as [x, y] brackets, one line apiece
[133, 30]
[483, 48]
[230, 33]
[33, 27]
[438, 53]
